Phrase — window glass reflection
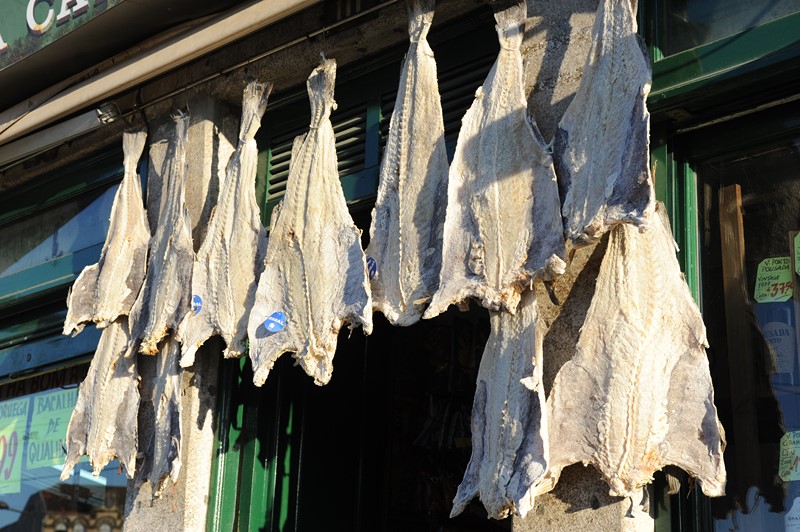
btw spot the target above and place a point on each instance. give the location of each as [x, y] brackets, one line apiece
[691, 23]
[64, 229]
[751, 263]
[34, 414]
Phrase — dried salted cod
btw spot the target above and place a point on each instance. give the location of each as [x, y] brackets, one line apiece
[315, 277]
[503, 226]
[106, 290]
[103, 423]
[601, 147]
[163, 456]
[232, 255]
[509, 439]
[408, 218]
[638, 394]
[164, 298]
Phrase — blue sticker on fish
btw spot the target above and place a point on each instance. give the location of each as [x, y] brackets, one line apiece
[372, 267]
[197, 304]
[276, 322]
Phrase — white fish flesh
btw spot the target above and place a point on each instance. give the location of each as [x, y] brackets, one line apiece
[503, 225]
[104, 421]
[106, 290]
[315, 277]
[638, 394]
[231, 256]
[164, 298]
[509, 435]
[408, 218]
[601, 147]
[162, 460]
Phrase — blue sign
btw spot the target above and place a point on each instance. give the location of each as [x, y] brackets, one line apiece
[197, 304]
[372, 267]
[276, 322]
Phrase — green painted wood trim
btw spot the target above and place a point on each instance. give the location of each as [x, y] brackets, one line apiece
[747, 52]
[260, 454]
[223, 496]
[24, 359]
[46, 277]
[372, 155]
[676, 186]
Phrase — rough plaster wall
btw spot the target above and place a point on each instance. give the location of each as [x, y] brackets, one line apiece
[212, 131]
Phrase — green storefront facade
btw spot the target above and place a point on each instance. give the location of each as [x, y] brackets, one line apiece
[384, 445]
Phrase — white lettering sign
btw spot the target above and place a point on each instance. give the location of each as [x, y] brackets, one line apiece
[37, 28]
[40, 16]
[72, 8]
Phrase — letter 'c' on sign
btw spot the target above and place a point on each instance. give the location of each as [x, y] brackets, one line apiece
[35, 27]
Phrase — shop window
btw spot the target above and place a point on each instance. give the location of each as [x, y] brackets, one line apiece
[34, 414]
[691, 23]
[751, 252]
[51, 228]
[731, 191]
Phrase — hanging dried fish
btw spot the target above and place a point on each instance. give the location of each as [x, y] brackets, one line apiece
[232, 255]
[163, 457]
[164, 298]
[509, 437]
[601, 148]
[405, 245]
[503, 226]
[106, 290]
[103, 423]
[315, 277]
[638, 394]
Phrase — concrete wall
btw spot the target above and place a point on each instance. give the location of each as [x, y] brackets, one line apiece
[213, 129]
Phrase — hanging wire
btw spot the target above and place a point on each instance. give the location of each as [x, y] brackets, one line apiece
[324, 31]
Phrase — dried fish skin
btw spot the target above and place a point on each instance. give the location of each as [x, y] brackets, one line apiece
[638, 394]
[104, 421]
[503, 225]
[164, 298]
[231, 257]
[163, 457]
[601, 147]
[315, 276]
[509, 433]
[106, 290]
[408, 218]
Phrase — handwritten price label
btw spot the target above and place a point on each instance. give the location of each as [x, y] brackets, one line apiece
[797, 253]
[13, 419]
[774, 280]
[789, 464]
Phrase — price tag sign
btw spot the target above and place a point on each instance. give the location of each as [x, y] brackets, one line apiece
[13, 418]
[774, 280]
[48, 427]
[797, 253]
[789, 465]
